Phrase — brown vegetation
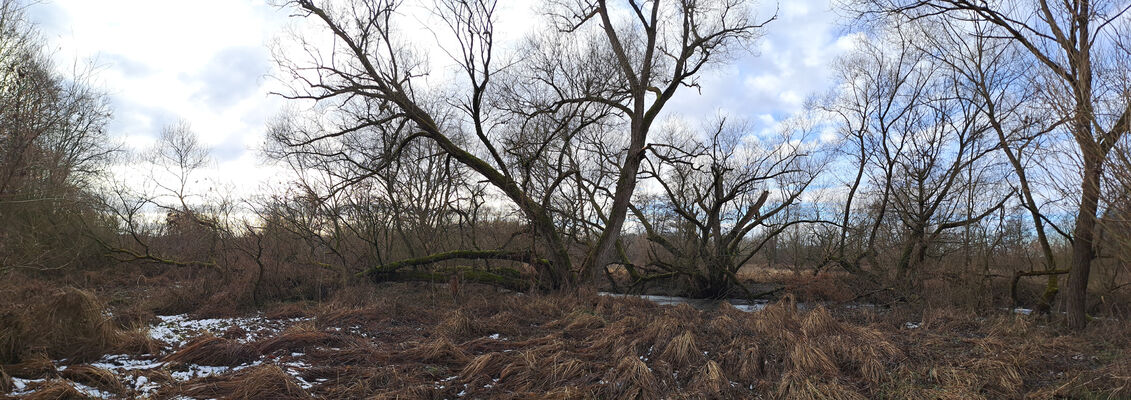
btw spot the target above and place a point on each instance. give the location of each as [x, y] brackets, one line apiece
[62, 323]
[56, 390]
[256, 383]
[589, 346]
[211, 350]
[427, 264]
[6, 383]
[94, 377]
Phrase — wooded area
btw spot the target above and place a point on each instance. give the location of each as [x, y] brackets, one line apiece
[970, 159]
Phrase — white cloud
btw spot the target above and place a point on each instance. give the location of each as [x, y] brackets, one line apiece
[201, 61]
[204, 61]
[791, 62]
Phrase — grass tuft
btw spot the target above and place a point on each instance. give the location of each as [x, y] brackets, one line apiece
[440, 350]
[744, 359]
[265, 382]
[457, 325]
[213, 351]
[682, 351]
[710, 379]
[35, 366]
[56, 389]
[632, 379]
[262, 382]
[300, 338]
[95, 377]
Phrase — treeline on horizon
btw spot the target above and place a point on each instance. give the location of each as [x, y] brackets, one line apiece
[966, 152]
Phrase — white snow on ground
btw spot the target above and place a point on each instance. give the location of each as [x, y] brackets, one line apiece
[125, 362]
[178, 329]
[92, 392]
[23, 387]
[295, 369]
[200, 371]
[20, 386]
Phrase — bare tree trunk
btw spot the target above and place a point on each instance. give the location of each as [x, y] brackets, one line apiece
[626, 185]
[1083, 251]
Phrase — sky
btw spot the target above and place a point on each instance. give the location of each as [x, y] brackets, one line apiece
[207, 62]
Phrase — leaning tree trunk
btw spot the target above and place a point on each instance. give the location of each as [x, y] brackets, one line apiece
[1083, 250]
[601, 253]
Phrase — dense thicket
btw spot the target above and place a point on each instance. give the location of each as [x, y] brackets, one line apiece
[52, 146]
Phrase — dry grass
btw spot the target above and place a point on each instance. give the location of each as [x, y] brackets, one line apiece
[744, 360]
[11, 336]
[263, 382]
[410, 392]
[6, 384]
[63, 323]
[682, 352]
[35, 366]
[60, 322]
[214, 351]
[710, 379]
[95, 377]
[632, 379]
[459, 326]
[299, 338]
[577, 322]
[409, 341]
[56, 389]
[439, 351]
[484, 368]
[83, 329]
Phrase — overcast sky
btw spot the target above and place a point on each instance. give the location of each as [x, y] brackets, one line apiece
[207, 62]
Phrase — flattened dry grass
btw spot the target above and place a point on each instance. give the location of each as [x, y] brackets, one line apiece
[299, 338]
[439, 351]
[262, 382]
[56, 389]
[603, 347]
[582, 345]
[484, 368]
[95, 377]
[213, 351]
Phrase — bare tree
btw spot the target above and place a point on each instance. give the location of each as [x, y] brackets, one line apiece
[374, 80]
[999, 77]
[922, 132]
[52, 147]
[882, 92]
[1071, 41]
[173, 210]
[729, 195]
